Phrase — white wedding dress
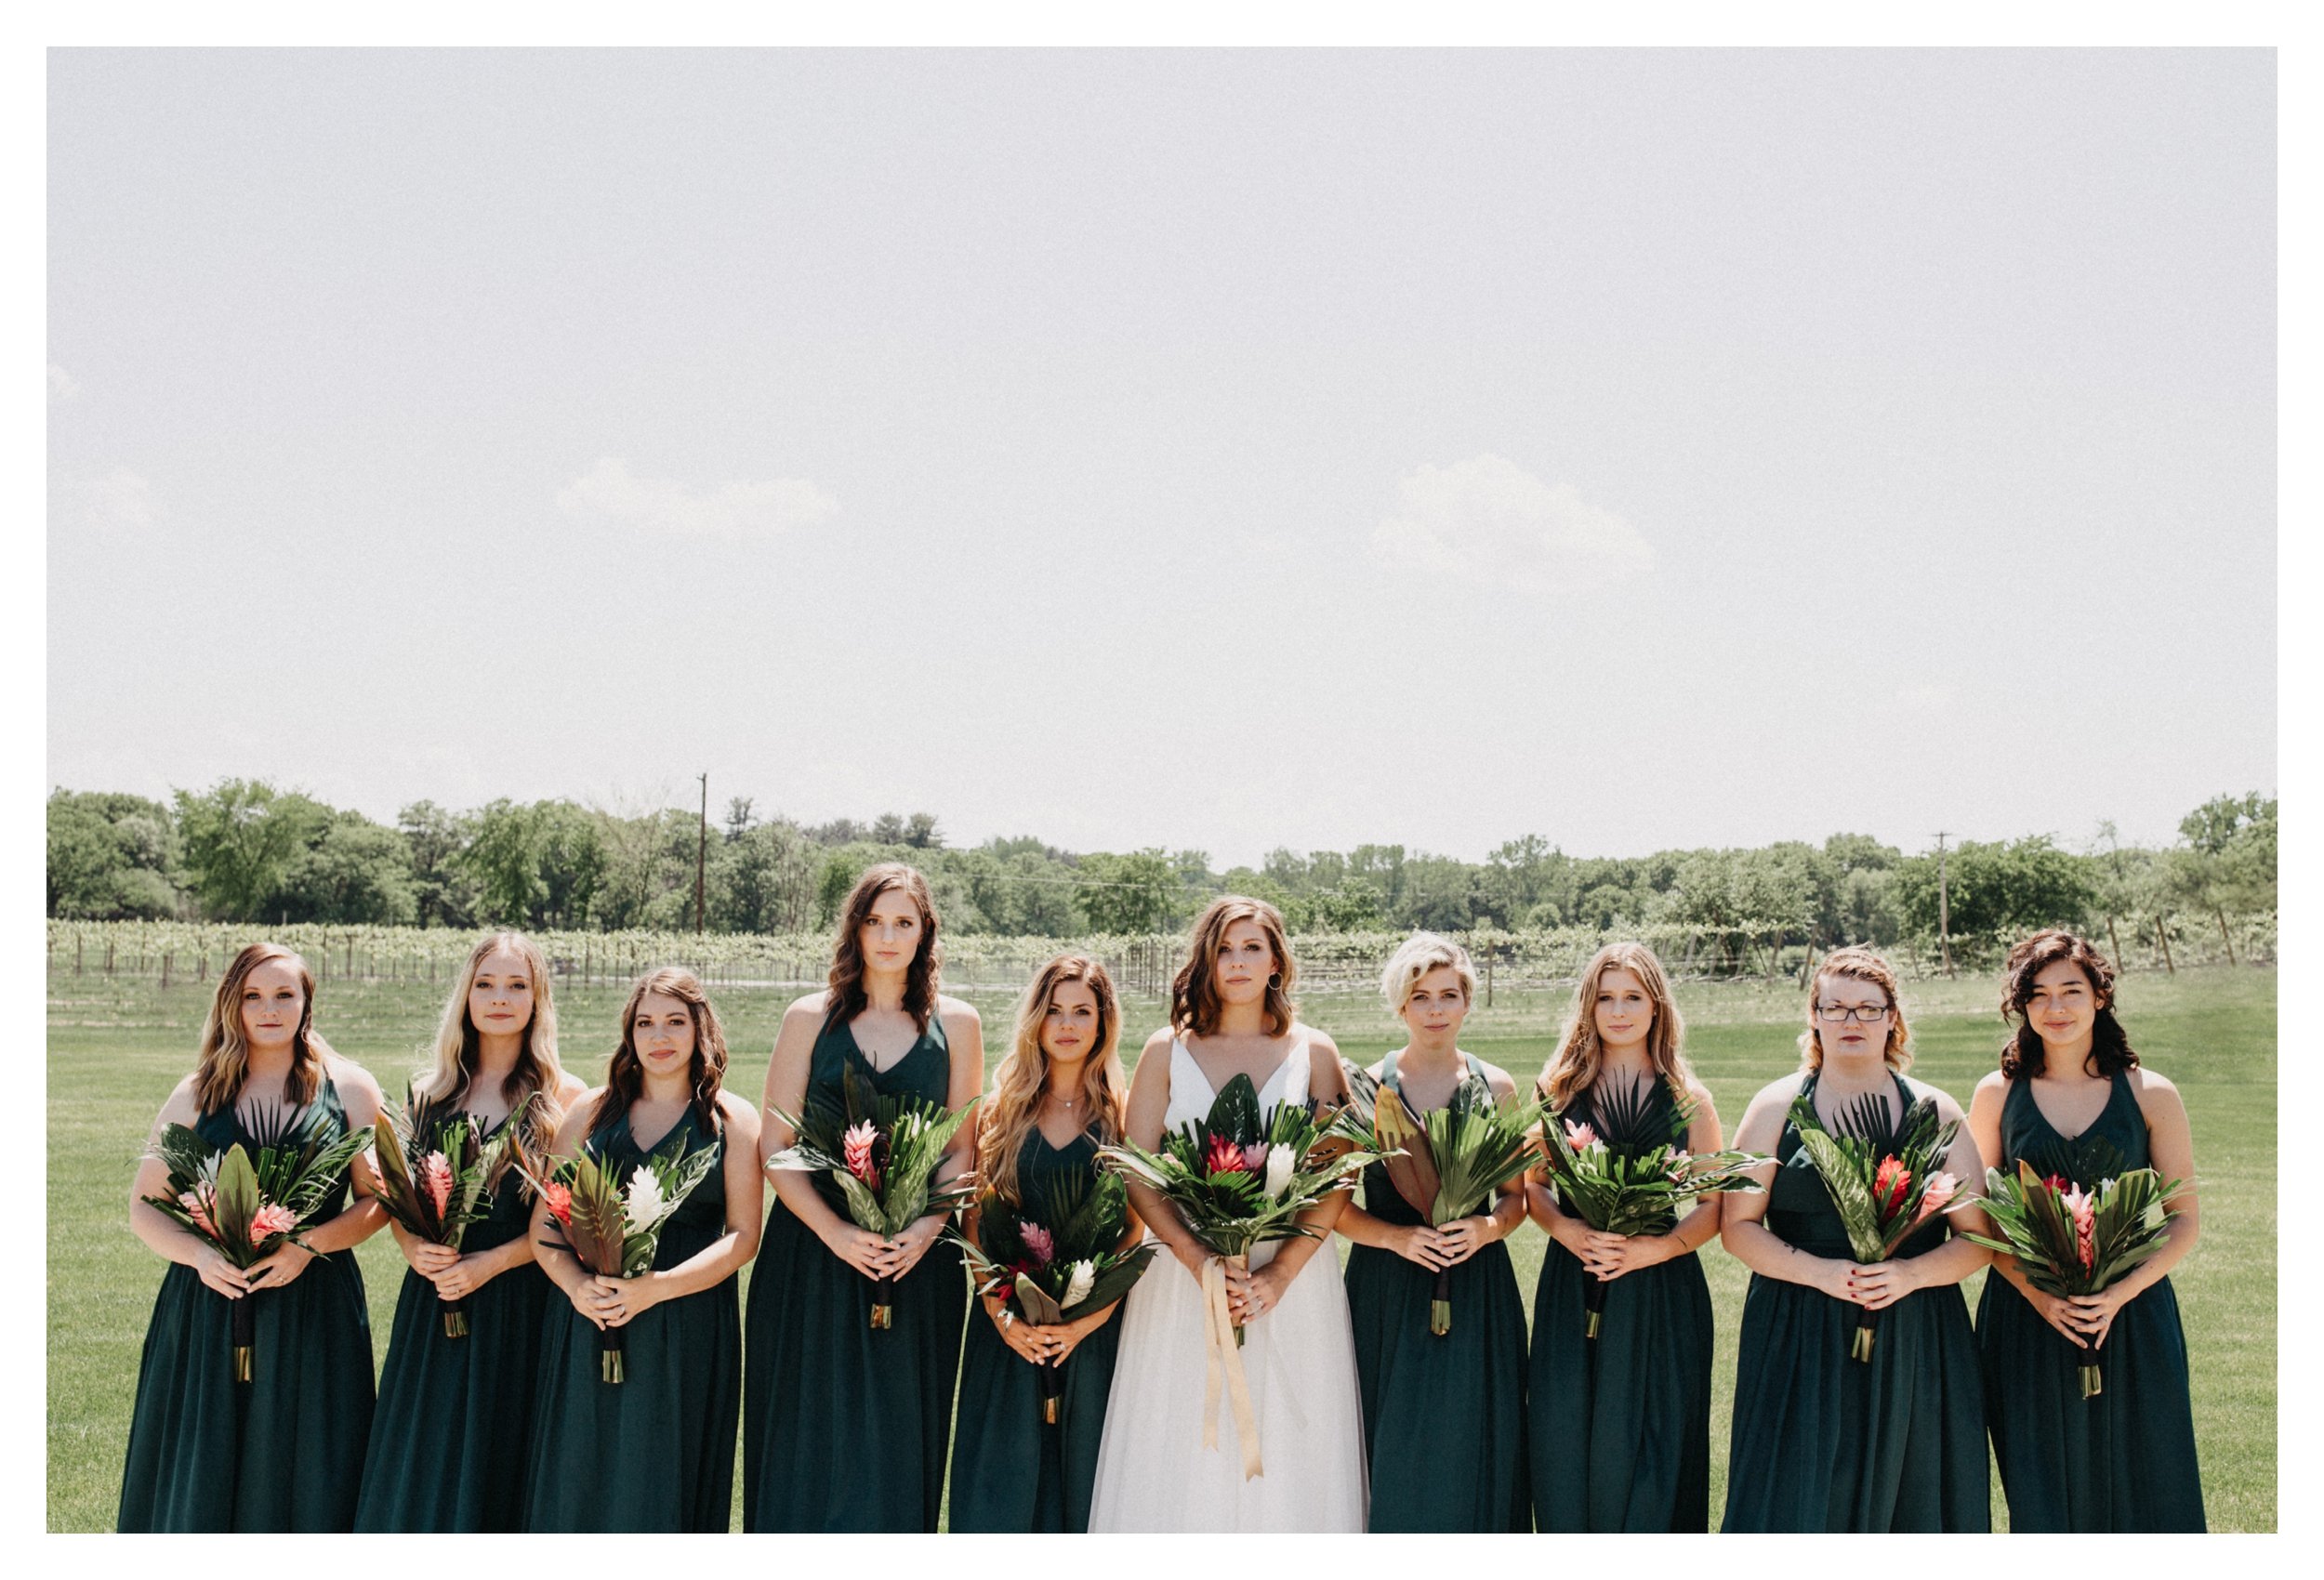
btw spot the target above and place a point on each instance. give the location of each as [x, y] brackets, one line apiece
[1154, 1473]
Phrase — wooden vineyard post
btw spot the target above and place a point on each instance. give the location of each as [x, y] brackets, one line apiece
[2162, 935]
[1488, 983]
[167, 956]
[77, 954]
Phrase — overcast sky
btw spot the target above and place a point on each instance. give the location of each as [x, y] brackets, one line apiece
[1184, 449]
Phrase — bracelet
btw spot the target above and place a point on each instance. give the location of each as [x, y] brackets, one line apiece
[1008, 1319]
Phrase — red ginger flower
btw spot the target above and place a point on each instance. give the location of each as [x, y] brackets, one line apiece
[1222, 1156]
[855, 1149]
[1889, 1182]
[558, 1200]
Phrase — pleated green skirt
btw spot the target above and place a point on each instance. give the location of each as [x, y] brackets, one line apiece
[1620, 1425]
[1009, 1470]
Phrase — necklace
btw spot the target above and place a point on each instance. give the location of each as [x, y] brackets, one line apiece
[1066, 1103]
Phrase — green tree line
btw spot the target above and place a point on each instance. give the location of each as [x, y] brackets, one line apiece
[246, 850]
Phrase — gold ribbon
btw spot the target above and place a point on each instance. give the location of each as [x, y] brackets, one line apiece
[1220, 1353]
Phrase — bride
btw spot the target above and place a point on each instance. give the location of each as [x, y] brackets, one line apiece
[1231, 1014]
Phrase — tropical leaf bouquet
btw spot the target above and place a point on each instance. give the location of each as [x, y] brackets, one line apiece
[1633, 1178]
[883, 1151]
[1884, 1183]
[612, 1229]
[1449, 1165]
[1241, 1176]
[246, 1207]
[433, 1179]
[2075, 1240]
[1062, 1270]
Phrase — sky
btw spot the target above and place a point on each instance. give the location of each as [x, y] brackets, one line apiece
[1195, 449]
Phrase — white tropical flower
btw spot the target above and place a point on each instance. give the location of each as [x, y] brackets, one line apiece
[1280, 1162]
[1078, 1287]
[642, 1203]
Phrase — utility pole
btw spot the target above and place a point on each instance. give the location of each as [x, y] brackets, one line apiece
[701, 851]
[1943, 909]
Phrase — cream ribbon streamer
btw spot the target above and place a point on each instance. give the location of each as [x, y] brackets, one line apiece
[1221, 1354]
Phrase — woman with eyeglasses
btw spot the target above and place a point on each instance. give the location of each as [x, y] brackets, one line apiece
[2072, 1100]
[1821, 1440]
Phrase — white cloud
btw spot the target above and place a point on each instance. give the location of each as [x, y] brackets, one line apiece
[118, 505]
[63, 385]
[736, 510]
[1490, 520]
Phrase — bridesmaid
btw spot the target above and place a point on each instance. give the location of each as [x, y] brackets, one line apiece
[1621, 1423]
[1444, 1415]
[654, 1452]
[2072, 1099]
[282, 1451]
[1822, 1441]
[1056, 1099]
[449, 1440]
[845, 1426]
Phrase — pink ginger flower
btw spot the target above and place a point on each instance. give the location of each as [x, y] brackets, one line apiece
[1255, 1157]
[1579, 1136]
[435, 1177]
[1942, 1189]
[1222, 1156]
[558, 1200]
[2083, 1205]
[198, 1204]
[1681, 1161]
[856, 1150]
[269, 1220]
[1039, 1242]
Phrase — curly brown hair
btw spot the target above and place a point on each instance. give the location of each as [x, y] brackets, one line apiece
[625, 1078]
[2023, 1055]
[846, 997]
[1194, 1003]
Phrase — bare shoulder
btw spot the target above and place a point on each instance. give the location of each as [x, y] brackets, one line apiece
[958, 1015]
[578, 1118]
[1782, 1089]
[1992, 1081]
[570, 1089]
[180, 1107]
[808, 1009]
[1947, 1109]
[2149, 1085]
[739, 1115]
[1159, 1042]
[1502, 1082]
[1699, 1094]
[1320, 1043]
[350, 1077]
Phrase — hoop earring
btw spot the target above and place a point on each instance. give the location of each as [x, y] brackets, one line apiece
[1274, 979]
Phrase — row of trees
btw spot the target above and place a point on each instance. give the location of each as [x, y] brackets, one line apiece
[246, 850]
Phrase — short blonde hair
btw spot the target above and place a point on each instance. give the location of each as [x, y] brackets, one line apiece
[1415, 958]
[1862, 965]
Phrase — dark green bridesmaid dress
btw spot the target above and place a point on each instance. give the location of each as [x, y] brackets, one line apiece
[2123, 1460]
[284, 1451]
[1620, 1424]
[1009, 1470]
[452, 1434]
[655, 1451]
[1444, 1414]
[1824, 1442]
[845, 1424]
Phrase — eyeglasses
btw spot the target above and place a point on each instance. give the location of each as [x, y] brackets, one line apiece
[1839, 1013]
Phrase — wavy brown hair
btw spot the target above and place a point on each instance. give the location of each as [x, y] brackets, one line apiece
[1865, 966]
[1573, 1068]
[1008, 1115]
[921, 977]
[1194, 1002]
[224, 1064]
[625, 1078]
[532, 1086]
[2023, 1055]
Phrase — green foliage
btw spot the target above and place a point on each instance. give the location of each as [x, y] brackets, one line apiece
[242, 838]
[2038, 1226]
[2005, 885]
[1632, 1179]
[299, 1162]
[908, 1142]
[1135, 893]
[111, 857]
[1850, 1162]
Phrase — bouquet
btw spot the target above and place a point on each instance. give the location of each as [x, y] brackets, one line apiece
[1635, 1178]
[883, 1152]
[614, 1230]
[2075, 1240]
[1883, 1184]
[1239, 1177]
[248, 1207]
[432, 1180]
[1061, 1271]
[1449, 1165]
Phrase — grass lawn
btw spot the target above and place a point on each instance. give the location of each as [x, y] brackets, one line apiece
[116, 1048]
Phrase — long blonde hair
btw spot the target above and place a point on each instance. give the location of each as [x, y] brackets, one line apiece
[1573, 1068]
[225, 1058]
[532, 1085]
[1010, 1115]
[1863, 966]
[1194, 1002]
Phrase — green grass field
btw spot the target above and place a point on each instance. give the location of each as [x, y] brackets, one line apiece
[116, 1048]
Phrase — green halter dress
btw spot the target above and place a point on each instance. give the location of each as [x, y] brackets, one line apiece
[845, 1424]
[1444, 1414]
[1621, 1423]
[1009, 1471]
[284, 1451]
[2123, 1460]
[655, 1451]
[1824, 1442]
[452, 1437]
